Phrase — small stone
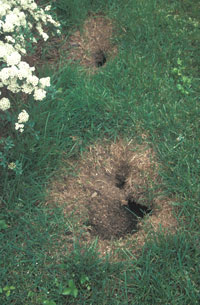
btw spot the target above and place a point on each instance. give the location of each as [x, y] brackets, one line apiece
[94, 194]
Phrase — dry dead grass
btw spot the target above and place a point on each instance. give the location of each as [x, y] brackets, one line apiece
[95, 203]
[88, 46]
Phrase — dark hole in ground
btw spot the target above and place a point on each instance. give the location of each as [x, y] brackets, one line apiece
[138, 209]
[100, 58]
[109, 217]
[120, 180]
[121, 175]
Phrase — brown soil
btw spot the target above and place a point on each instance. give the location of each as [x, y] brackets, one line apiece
[96, 200]
[93, 47]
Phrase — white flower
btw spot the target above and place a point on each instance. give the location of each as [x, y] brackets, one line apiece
[180, 138]
[12, 165]
[3, 51]
[33, 6]
[4, 74]
[3, 9]
[16, 75]
[45, 82]
[39, 28]
[47, 8]
[39, 94]
[45, 36]
[23, 117]
[13, 59]
[33, 80]
[21, 38]
[10, 39]
[24, 70]
[19, 48]
[30, 25]
[19, 126]
[8, 27]
[57, 23]
[12, 71]
[27, 89]
[4, 104]
[13, 85]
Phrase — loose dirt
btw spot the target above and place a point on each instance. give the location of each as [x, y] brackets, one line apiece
[93, 46]
[115, 196]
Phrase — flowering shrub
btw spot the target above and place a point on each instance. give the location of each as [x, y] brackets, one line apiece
[21, 24]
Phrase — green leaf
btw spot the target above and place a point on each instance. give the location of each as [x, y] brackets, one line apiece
[175, 70]
[30, 294]
[56, 282]
[75, 292]
[1, 290]
[6, 288]
[51, 302]
[179, 87]
[71, 284]
[67, 291]
[3, 225]
[84, 279]
[179, 62]
[8, 293]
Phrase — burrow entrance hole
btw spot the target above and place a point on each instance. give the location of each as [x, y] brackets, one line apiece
[114, 212]
[99, 58]
[93, 46]
[137, 209]
[113, 195]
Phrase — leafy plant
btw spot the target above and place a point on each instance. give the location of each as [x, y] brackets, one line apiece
[184, 82]
[71, 289]
[49, 302]
[3, 225]
[7, 290]
[84, 280]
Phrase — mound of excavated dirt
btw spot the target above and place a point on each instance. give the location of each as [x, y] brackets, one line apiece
[113, 195]
[92, 47]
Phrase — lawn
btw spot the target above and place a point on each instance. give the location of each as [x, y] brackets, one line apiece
[107, 208]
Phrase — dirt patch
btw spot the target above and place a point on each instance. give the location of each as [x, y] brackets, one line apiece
[92, 46]
[115, 196]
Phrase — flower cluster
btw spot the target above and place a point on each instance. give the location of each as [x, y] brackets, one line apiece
[16, 75]
[21, 23]
[22, 118]
[11, 76]
[4, 104]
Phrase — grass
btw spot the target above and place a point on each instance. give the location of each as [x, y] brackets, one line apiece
[137, 92]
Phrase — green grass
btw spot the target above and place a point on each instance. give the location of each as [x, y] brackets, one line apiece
[137, 92]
